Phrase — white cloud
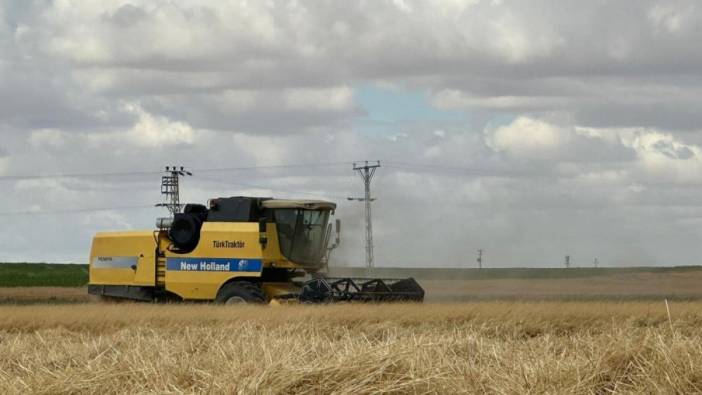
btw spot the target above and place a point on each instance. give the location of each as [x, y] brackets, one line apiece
[46, 193]
[528, 137]
[155, 131]
[397, 136]
[329, 99]
[452, 99]
[149, 131]
[47, 137]
[106, 220]
[197, 61]
[603, 111]
[4, 162]
[670, 17]
[661, 155]
[517, 40]
[265, 149]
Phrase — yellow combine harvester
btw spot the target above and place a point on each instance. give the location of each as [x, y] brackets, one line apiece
[234, 250]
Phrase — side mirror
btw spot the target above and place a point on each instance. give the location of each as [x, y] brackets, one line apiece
[338, 231]
[262, 236]
[327, 236]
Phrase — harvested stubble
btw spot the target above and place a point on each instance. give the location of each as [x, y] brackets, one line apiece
[23, 295]
[432, 348]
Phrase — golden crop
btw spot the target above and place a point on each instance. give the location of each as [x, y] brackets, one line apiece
[494, 347]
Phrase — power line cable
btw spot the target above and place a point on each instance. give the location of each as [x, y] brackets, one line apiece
[507, 173]
[453, 170]
[281, 166]
[75, 175]
[217, 180]
[142, 172]
[79, 210]
[395, 165]
[205, 170]
[247, 185]
[211, 179]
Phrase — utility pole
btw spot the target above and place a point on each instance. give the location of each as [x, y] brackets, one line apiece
[480, 258]
[567, 261]
[170, 188]
[367, 171]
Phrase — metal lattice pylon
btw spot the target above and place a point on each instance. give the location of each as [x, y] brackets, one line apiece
[367, 171]
[170, 188]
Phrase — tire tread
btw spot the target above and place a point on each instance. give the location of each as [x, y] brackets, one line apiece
[250, 291]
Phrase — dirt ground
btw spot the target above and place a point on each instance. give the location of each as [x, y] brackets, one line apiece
[23, 295]
[620, 286]
[684, 285]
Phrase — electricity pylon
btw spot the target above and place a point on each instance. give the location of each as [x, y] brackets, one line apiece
[367, 171]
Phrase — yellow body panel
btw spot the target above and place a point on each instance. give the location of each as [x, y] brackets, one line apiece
[224, 242]
[123, 258]
[226, 250]
[227, 243]
[242, 238]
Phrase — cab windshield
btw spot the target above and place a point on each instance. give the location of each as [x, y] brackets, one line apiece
[302, 234]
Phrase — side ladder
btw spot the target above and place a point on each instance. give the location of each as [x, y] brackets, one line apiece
[160, 271]
[161, 245]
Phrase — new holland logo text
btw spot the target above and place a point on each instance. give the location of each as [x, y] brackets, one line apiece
[213, 265]
[206, 266]
[228, 244]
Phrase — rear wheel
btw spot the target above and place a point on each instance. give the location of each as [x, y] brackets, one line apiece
[241, 292]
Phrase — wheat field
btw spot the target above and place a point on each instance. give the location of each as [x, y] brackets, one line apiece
[486, 347]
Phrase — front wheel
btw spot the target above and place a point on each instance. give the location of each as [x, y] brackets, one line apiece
[241, 292]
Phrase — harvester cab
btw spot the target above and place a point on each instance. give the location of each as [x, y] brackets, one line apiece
[234, 250]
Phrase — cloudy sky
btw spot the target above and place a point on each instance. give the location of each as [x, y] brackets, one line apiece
[531, 130]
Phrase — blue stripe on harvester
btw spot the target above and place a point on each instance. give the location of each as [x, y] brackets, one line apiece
[214, 265]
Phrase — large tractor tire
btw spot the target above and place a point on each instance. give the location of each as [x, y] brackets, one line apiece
[241, 292]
